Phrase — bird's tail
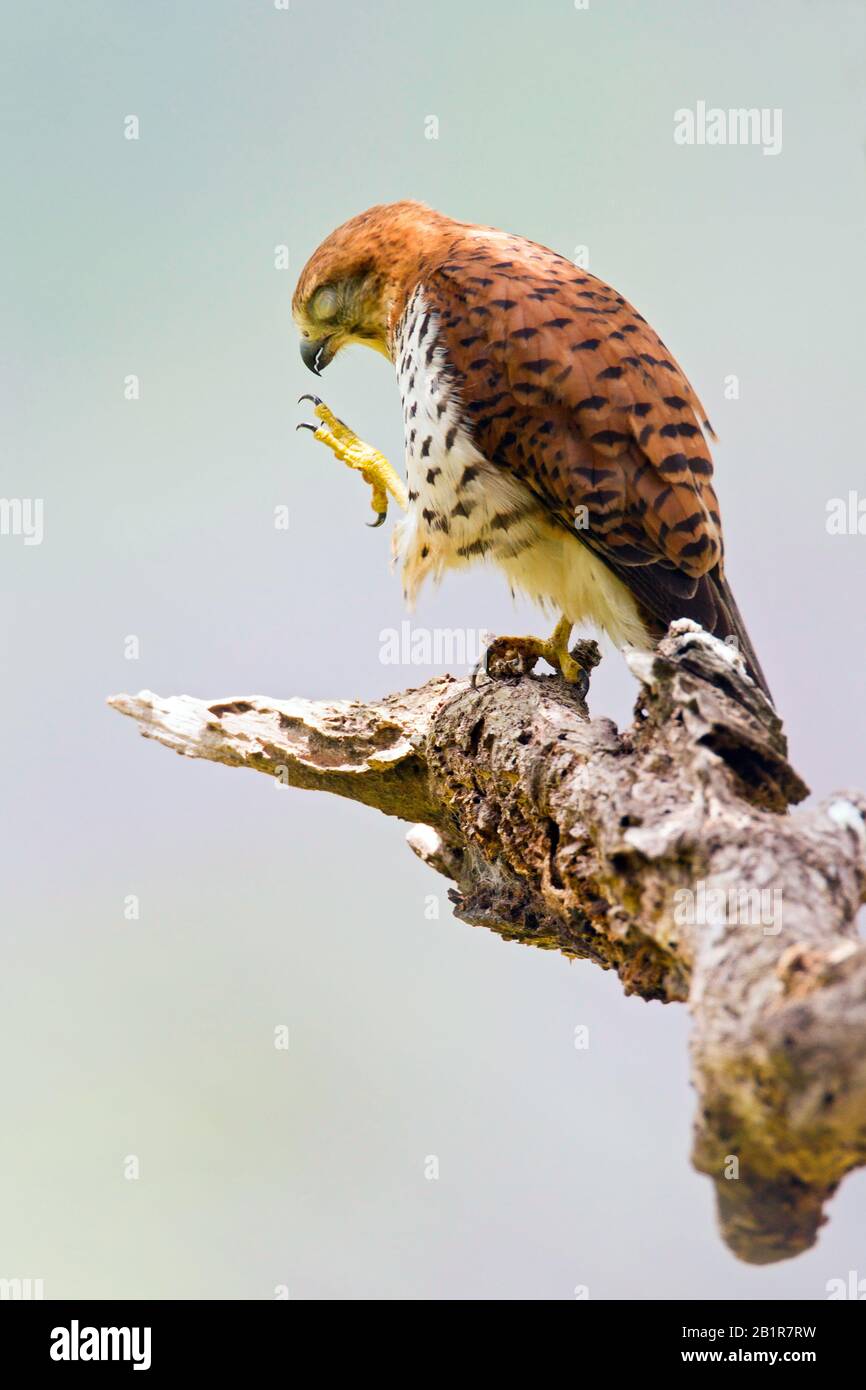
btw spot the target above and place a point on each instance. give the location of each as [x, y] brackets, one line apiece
[730, 617]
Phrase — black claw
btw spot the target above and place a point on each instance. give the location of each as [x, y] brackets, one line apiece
[317, 400]
[305, 426]
[380, 517]
[481, 667]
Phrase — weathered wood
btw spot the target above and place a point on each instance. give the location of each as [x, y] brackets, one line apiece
[665, 852]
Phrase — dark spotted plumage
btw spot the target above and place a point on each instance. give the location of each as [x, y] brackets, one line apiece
[582, 401]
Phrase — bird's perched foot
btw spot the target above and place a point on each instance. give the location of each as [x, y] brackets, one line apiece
[346, 446]
[516, 656]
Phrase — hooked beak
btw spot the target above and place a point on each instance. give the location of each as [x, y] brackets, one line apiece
[316, 353]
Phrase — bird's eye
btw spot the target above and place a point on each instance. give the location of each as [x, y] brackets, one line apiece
[325, 303]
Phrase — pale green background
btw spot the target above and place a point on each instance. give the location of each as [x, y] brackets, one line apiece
[408, 1037]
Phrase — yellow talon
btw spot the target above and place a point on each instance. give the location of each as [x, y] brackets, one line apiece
[515, 656]
[349, 449]
[556, 654]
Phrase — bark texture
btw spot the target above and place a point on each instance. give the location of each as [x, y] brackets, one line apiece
[665, 852]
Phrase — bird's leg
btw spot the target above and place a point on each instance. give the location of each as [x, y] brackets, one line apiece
[516, 656]
[373, 466]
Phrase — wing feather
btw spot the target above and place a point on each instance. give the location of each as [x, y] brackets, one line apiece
[566, 385]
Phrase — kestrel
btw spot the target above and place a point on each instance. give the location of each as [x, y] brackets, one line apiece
[547, 428]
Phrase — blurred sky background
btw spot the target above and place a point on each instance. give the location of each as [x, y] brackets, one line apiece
[409, 1037]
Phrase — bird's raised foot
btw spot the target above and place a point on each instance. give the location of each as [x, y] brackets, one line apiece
[349, 449]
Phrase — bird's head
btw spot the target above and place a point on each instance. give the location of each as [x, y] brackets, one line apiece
[347, 291]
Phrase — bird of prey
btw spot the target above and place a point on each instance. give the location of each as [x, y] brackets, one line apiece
[547, 428]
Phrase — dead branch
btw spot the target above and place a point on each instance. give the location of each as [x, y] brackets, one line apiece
[665, 852]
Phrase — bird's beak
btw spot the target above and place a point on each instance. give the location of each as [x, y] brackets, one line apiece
[316, 353]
